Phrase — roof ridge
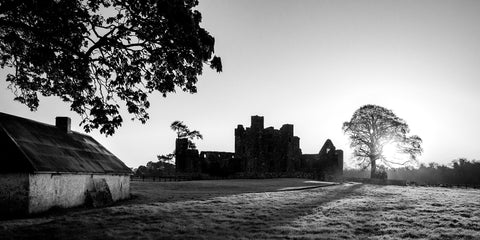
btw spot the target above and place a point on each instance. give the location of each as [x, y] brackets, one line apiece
[38, 122]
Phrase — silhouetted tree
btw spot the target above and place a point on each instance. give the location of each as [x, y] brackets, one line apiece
[166, 158]
[460, 172]
[141, 171]
[371, 128]
[167, 163]
[184, 132]
[159, 168]
[97, 53]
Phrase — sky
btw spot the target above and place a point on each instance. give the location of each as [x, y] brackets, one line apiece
[312, 64]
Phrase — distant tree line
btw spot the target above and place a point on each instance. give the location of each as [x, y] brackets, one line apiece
[461, 172]
[159, 168]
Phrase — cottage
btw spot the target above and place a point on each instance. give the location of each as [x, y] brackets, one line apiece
[45, 166]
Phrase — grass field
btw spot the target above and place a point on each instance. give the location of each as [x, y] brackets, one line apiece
[256, 209]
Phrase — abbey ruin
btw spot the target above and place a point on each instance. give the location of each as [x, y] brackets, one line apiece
[261, 151]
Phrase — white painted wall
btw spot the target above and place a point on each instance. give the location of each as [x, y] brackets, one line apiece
[69, 190]
[119, 185]
[13, 194]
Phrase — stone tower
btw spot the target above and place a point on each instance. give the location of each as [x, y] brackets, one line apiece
[186, 160]
[267, 149]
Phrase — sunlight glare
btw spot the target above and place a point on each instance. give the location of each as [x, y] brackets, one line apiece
[390, 152]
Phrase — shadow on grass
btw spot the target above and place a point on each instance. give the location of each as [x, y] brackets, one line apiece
[216, 215]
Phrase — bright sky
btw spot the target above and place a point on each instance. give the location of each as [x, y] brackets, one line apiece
[312, 64]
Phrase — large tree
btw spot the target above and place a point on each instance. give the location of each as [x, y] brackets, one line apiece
[95, 54]
[372, 129]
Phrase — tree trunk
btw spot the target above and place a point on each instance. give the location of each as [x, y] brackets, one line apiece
[373, 168]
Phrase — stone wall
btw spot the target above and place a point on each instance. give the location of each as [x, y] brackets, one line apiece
[328, 162]
[219, 164]
[186, 160]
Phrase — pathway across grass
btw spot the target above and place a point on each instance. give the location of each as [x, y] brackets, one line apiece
[346, 211]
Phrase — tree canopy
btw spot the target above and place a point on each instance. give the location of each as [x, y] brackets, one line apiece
[371, 129]
[95, 54]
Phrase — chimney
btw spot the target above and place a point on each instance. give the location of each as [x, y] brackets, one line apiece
[63, 123]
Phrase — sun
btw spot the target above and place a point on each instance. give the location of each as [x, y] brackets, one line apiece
[393, 157]
[390, 152]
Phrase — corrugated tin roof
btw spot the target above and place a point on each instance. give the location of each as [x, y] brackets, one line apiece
[38, 147]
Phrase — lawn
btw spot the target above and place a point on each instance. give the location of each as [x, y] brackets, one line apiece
[262, 209]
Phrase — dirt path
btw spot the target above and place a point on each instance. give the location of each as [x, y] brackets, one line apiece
[147, 192]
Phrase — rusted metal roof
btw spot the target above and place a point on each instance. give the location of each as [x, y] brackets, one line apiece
[32, 146]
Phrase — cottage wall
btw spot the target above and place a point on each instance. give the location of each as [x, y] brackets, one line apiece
[119, 185]
[13, 193]
[69, 190]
